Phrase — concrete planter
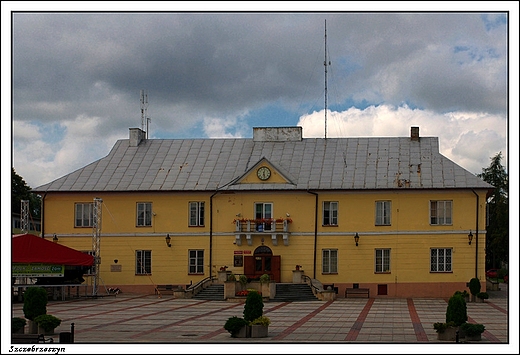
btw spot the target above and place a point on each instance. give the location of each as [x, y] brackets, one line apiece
[259, 331]
[244, 332]
[449, 334]
[476, 337]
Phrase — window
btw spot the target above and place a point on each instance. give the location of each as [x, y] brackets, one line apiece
[143, 262]
[382, 260]
[440, 260]
[383, 209]
[330, 261]
[196, 259]
[440, 212]
[196, 214]
[263, 211]
[330, 213]
[84, 215]
[144, 214]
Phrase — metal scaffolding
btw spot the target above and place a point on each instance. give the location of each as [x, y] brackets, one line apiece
[96, 242]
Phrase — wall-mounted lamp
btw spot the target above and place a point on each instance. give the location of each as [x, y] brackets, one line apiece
[238, 215]
[168, 240]
[470, 237]
[356, 238]
[115, 261]
[55, 238]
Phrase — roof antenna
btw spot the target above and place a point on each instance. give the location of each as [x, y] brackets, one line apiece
[326, 64]
[144, 106]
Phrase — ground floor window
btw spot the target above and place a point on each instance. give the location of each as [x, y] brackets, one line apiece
[196, 260]
[330, 261]
[440, 259]
[382, 260]
[143, 262]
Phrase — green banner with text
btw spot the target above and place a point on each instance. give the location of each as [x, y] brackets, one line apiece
[38, 270]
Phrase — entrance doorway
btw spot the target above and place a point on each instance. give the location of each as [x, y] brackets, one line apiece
[262, 262]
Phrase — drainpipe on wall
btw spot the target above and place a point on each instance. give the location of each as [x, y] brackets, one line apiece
[315, 230]
[476, 236]
[211, 234]
[41, 216]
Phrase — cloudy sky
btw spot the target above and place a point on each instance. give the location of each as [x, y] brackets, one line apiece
[77, 79]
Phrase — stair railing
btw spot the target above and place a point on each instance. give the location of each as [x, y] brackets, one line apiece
[202, 284]
[308, 280]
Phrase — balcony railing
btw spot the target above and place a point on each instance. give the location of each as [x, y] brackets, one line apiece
[250, 227]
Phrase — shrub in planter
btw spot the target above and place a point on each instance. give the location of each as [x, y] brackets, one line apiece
[483, 295]
[456, 311]
[234, 324]
[262, 320]
[472, 329]
[243, 280]
[35, 302]
[265, 278]
[47, 322]
[231, 277]
[17, 324]
[474, 286]
[441, 327]
[254, 306]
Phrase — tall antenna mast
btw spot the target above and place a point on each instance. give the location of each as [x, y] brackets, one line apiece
[96, 241]
[326, 63]
[144, 107]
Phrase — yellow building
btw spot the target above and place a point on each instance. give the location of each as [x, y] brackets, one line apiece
[390, 214]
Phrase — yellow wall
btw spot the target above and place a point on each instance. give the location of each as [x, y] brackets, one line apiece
[410, 236]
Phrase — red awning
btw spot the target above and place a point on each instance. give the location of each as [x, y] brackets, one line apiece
[28, 248]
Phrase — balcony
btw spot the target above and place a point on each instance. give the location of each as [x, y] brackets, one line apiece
[273, 227]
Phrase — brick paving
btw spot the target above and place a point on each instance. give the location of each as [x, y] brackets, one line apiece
[147, 319]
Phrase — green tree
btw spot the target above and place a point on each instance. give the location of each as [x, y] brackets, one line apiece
[21, 191]
[497, 226]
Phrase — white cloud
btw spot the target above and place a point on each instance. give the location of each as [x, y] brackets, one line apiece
[468, 139]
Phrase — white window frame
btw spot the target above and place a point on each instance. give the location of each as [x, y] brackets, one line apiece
[196, 214]
[144, 214]
[382, 260]
[329, 262]
[441, 258]
[264, 210]
[383, 213]
[143, 262]
[195, 261]
[441, 212]
[84, 212]
[330, 213]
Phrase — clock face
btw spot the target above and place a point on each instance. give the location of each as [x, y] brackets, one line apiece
[263, 173]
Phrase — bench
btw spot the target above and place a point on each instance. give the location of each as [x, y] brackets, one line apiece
[357, 293]
[29, 339]
[167, 288]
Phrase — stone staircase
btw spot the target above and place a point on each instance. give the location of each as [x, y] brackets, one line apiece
[214, 292]
[288, 292]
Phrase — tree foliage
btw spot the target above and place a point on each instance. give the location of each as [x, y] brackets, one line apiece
[497, 235]
[21, 191]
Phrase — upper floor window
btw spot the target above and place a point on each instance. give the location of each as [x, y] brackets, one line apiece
[196, 214]
[382, 260]
[383, 209]
[330, 213]
[329, 261]
[144, 214]
[143, 262]
[440, 259]
[440, 212]
[84, 213]
[263, 211]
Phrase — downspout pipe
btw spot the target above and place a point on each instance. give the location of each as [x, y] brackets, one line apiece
[315, 230]
[476, 234]
[211, 233]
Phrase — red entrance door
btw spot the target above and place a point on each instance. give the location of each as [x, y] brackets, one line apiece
[257, 265]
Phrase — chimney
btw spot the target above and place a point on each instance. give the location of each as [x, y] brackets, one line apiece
[136, 136]
[415, 134]
[277, 134]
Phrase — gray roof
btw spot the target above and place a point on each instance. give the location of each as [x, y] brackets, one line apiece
[309, 163]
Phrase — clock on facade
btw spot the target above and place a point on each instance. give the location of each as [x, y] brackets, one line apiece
[263, 173]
